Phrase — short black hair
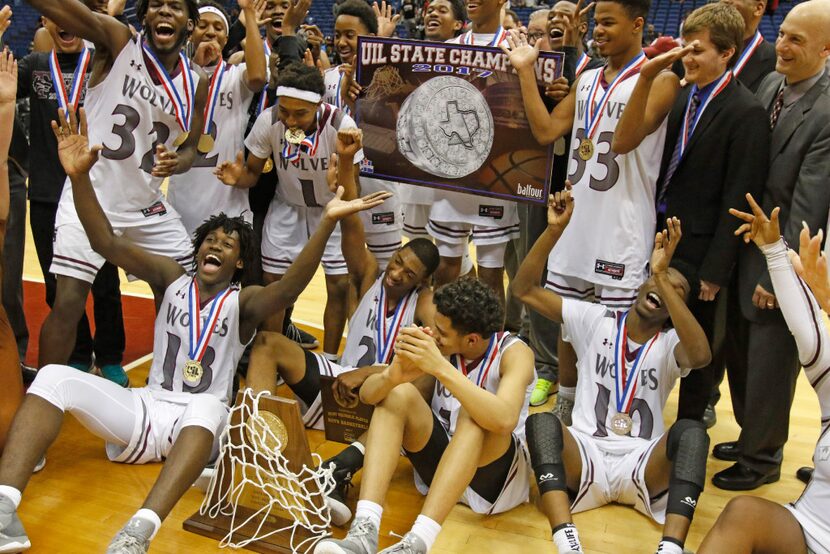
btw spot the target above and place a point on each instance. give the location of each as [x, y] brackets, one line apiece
[634, 8]
[426, 252]
[299, 75]
[192, 9]
[248, 243]
[471, 305]
[361, 10]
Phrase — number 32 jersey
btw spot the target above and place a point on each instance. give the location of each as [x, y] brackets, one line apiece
[610, 236]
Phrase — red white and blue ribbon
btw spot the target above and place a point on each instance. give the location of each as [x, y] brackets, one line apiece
[309, 145]
[71, 100]
[687, 130]
[583, 62]
[594, 116]
[263, 99]
[213, 94]
[747, 53]
[626, 380]
[385, 336]
[486, 362]
[200, 337]
[499, 36]
[182, 107]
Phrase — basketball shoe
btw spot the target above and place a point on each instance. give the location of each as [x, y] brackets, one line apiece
[362, 538]
[12, 535]
[541, 392]
[336, 500]
[410, 544]
[563, 409]
[133, 538]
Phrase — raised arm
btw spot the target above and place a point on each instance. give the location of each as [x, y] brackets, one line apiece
[256, 73]
[77, 159]
[526, 285]
[8, 97]
[107, 33]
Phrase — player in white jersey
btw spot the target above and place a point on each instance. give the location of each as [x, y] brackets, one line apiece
[203, 325]
[614, 190]
[800, 527]
[469, 445]
[628, 361]
[198, 194]
[300, 132]
[142, 98]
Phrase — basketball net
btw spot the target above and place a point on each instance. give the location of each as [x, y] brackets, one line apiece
[385, 82]
[258, 468]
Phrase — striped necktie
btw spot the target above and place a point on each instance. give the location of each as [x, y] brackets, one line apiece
[675, 157]
[777, 106]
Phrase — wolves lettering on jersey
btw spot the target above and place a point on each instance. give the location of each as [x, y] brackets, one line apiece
[611, 192]
[592, 330]
[303, 183]
[129, 115]
[197, 193]
[171, 343]
[361, 346]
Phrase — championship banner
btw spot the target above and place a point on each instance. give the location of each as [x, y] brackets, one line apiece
[343, 422]
[451, 116]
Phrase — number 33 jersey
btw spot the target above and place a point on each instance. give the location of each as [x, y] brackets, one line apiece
[592, 330]
[610, 236]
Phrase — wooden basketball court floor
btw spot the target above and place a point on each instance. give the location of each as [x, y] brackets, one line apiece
[80, 500]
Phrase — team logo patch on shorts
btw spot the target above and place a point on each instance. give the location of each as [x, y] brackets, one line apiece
[156, 209]
[496, 212]
[614, 270]
[384, 218]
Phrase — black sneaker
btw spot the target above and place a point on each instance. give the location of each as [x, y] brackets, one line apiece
[306, 340]
[336, 500]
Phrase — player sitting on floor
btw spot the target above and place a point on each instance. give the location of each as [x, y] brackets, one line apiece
[619, 453]
[468, 446]
[178, 416]
[802, 526]
[399, 291]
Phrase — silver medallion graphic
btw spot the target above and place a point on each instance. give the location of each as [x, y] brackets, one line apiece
[445, 128]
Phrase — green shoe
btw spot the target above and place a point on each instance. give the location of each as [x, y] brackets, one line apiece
[116, 374]
[541, 392]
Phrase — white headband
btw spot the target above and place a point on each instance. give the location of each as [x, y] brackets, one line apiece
[216, 11]
[299, 94]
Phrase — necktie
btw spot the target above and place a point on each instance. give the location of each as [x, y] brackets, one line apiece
[776, 109]
[675, 157]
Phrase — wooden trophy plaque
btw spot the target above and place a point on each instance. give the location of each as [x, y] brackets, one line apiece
[283, 417]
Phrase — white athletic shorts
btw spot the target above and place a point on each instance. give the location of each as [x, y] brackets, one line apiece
[162, 235]
[614, 475]
[815, 534]
[313, 415]
[580, 289]
[286, 231]
[384, 245]
[458, 233]
[415, 219]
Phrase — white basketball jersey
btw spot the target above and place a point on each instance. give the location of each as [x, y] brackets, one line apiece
[333, 79]
[302, 183]
[611, 233]
[361, 340]
[592, 330]
[129, 115]
[198, 194]
[171, 344]
[447, 407]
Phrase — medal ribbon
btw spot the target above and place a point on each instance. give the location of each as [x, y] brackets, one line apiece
[183, 109]
[686, 131]
[747, 53]
[626, 381]
[199, 338]
[213, 94]
[498, 37]
[385, 337]
[309, 146]
[582, 64]
[594, 116]
[73, 99]
[486, 362]
[263, 99]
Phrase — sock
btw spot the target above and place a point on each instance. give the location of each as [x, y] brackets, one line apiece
[568, 393]
[372, 510]
[152, 517]
[669, 545]
[566, 538]
[427, 529]
[12, 493]
[331, 357]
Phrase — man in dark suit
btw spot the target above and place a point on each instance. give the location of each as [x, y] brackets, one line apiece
[757, 56]
[764, 364]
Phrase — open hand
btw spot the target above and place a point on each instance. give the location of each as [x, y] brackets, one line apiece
[8, 76]
[521, 54]
[665, 243]
[655, 65]
[387, 18]
[337, 208]
[230, 172]
[573, 21]
[76, 157]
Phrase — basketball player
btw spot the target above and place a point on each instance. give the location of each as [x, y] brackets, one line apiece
[311, 125]
[198, 193]
[563, 19]
[468, 446]
[614, 189]
[800, 527]
[628, 361]
[179, 415]
[400, 291]
[143, 103]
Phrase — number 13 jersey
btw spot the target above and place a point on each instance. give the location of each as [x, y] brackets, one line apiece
[610, 236]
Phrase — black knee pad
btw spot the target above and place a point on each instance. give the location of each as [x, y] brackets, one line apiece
[688, 448]
[545, 443]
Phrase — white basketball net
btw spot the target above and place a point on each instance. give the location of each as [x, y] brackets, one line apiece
[254, 467]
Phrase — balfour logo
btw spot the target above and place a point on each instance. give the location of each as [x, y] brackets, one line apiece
[529, 191]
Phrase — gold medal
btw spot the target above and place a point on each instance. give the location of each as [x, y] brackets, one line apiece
[586, 149]
[294, 135]
[257, 431]
[181, 139]
[206, 144]
[621, 424]
[269, 166]
[192, 371]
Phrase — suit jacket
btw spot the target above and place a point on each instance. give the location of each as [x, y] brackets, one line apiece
[761, 64]
[725, 158]
[799, 168]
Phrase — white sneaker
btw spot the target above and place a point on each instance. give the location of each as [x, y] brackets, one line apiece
[361, 539]
[410, 544]
[563, 410]
[133, 538]
[12, 535]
